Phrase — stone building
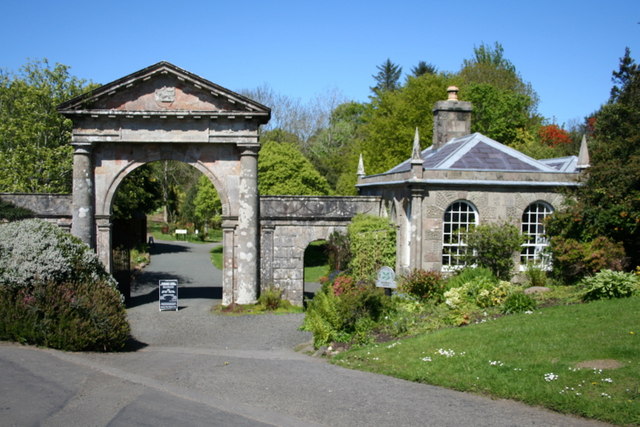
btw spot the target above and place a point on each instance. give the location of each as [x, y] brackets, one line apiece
[463, 180]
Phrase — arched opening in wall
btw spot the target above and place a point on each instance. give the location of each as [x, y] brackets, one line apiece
[316, 267]
[166, 218]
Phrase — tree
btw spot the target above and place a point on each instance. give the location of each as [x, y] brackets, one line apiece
[34, 138]
[331, 148]
[497, 113]
[207, 204]
[137, 193]
[392, 118]
[423, 68]
[608, 204]
[283, 169]
[489, 66]
[387, 78]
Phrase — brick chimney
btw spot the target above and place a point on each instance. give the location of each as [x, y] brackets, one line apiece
[451, 118]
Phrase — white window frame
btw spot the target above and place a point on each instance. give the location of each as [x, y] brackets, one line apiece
[532, 228]
[463, 215]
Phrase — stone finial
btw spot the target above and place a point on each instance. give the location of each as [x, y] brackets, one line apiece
[583, 156]
[453, 93]
[360, 172]
[416, 156]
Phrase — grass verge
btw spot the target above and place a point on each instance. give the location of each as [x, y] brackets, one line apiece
[242, 309]
[557, 357]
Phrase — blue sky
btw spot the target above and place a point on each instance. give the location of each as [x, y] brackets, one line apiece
[566, 49]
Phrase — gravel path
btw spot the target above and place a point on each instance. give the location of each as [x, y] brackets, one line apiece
[199, 289]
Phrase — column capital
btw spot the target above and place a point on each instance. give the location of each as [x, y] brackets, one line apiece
[249, 148]
[82, 147]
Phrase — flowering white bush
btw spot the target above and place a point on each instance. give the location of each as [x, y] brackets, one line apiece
[35, 251]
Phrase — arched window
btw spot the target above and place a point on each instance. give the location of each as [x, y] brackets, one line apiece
[533, 231]
[458, 218]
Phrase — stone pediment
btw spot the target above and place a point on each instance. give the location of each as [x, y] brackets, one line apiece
[164, 89]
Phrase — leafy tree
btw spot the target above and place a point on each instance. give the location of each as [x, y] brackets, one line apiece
[207, 204]
[392, 118]
[137, 193]
[608, 204]
[388, 77]
[283, 169]
[502, 101]
[34, 151]
[423, 68]
[554, 136]
[331, 149]
[497, 113]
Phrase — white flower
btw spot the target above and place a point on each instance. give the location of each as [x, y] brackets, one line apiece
[550, 377]
[446, 353]
[426, 359]
[495, 363]
[607, 380]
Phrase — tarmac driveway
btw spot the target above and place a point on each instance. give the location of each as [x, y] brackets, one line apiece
[194, 368]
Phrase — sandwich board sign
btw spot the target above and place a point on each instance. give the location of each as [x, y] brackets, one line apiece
[168, 290]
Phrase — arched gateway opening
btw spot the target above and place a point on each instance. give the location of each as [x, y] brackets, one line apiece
[165, 113]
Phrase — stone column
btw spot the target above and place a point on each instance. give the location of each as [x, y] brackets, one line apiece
[229, 294]
[83, 205]
[247, 232]
[415, 222]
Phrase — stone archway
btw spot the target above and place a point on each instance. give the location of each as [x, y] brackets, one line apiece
[165, 113]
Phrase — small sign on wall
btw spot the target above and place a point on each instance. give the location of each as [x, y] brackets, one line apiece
[168, 290]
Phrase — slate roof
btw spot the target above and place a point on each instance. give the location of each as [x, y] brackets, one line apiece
[479, 152]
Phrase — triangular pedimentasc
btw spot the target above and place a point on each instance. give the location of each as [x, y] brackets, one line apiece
[164, 89]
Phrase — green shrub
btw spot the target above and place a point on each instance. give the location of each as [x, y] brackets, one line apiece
[573, 260]
[270, 298]
[470, 274]
[74, 316]
[426, 285]
[55, 292]
[493, 246]
[322, 318]
[610, 284]
[346, 317]
[536, 275]
[518, 302]
[481, 292]
[372, 243]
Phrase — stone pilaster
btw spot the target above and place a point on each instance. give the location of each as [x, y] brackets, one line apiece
[228, 262]
[247, 232]
[83, 204]
[266, 257]
[415, 224]
[103, 240]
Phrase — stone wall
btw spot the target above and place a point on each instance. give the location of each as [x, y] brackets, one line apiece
[55, 208]
[290, 223]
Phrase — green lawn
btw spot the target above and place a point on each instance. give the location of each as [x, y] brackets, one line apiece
[533, 358]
